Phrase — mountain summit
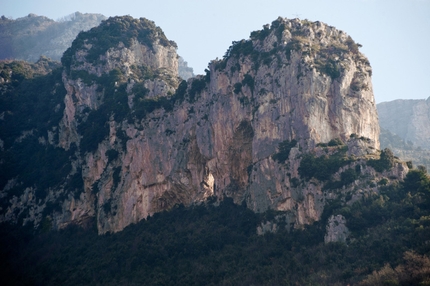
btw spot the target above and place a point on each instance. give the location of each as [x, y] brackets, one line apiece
[285, 121]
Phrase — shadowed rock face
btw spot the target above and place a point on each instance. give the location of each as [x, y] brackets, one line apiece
[165, 142]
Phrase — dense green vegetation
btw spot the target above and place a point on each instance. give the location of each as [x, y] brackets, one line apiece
[284, 149]
[323, 167]
[26, 98]
[31, 102]
[208, 245]
[385, 162]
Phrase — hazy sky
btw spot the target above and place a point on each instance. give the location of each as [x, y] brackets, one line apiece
[395, 34]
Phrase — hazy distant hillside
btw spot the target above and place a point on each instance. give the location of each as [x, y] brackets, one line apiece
[29, 37]
[405, 129]
[184, 70]
[405, 150]
[409, 119]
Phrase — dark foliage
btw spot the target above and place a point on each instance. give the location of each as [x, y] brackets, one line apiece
[112, 154]
[144, 105]
[237, 87]
[261, 34]
[207, 245]
[35, 165]
[249, 81]
[335, 142]
[32, 103]
[385, 162]
[94, 129]
[284, 149]
[346, 177]
[197, 86]
[239, 48]
[26, 103]
[323, 167]
[329, 67]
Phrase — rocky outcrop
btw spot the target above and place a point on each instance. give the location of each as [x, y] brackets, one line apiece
[409, 119]
[143, 140]
[336, 230]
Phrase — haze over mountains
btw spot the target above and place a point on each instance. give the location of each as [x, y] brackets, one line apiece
[405, 128]
[30, 37]
[409, 119]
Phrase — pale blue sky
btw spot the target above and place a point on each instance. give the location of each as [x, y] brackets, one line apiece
[395, 34]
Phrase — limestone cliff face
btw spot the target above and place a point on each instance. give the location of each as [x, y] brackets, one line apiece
[144, 141]
[409, 119]
[308, 76]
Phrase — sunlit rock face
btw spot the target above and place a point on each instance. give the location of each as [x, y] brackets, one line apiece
[146, 141]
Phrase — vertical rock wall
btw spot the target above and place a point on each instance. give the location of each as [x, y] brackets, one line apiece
[214, 135]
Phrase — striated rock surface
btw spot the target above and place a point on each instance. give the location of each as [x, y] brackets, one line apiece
[140, 140]
[409, 119]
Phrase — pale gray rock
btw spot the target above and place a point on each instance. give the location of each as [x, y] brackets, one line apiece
[184, 70]
[336, 230]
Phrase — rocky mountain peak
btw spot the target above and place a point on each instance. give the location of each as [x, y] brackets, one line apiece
[118, 42]
[260, 127]
[315, 69]
[124, 52]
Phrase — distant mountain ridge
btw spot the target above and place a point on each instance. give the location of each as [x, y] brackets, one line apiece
[406, 151]
[28, 38]
[409, 119]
